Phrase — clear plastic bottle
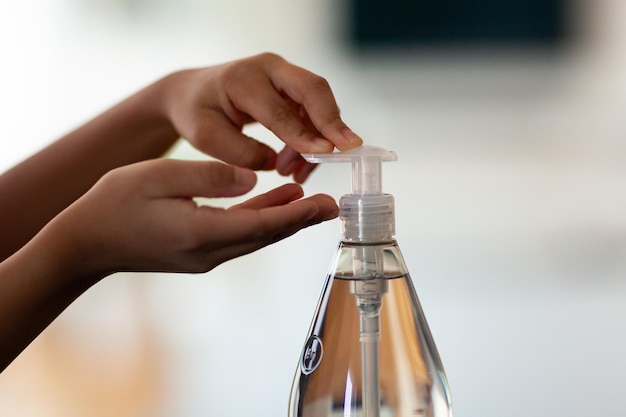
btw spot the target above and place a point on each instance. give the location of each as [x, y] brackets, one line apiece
[369, 352]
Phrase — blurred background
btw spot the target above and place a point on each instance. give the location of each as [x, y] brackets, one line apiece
[508, 119]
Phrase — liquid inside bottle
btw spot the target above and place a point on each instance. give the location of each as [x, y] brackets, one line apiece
[369, 351]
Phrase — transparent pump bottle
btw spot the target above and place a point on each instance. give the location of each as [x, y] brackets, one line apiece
[369, 352]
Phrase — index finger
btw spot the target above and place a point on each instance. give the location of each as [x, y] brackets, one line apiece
[295, 104]
[314, 93]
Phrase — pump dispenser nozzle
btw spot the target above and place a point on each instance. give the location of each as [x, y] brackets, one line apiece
[366, 213]
[366, 166]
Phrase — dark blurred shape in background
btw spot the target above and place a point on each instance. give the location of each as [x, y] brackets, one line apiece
[460, 23]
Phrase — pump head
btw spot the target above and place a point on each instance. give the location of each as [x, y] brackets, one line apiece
[366, 213]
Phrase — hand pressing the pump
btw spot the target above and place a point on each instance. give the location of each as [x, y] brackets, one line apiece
[98, 200]
[211, 106]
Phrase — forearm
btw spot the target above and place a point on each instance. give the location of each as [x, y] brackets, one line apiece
[36, 284]
[39, 188]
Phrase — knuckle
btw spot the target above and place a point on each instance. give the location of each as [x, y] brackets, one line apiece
[117, 179]
[235, 72]
[269, 57]
[240, 69]
[319, 87]
[281, 112]
[284, 119]
[333, 116]
[318, 83]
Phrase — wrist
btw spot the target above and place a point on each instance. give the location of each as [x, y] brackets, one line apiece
[60, 250]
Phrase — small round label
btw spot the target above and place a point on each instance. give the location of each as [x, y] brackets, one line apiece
[311, 355]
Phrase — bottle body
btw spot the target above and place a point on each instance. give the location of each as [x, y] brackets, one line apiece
[369, 352]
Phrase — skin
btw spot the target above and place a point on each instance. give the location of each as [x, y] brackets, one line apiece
[100, 200]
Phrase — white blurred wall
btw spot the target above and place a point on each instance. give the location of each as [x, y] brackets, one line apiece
[510, 213]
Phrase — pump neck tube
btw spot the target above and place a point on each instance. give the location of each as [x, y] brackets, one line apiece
[367, 215]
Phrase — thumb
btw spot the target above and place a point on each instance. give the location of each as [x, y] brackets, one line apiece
[176, 178]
